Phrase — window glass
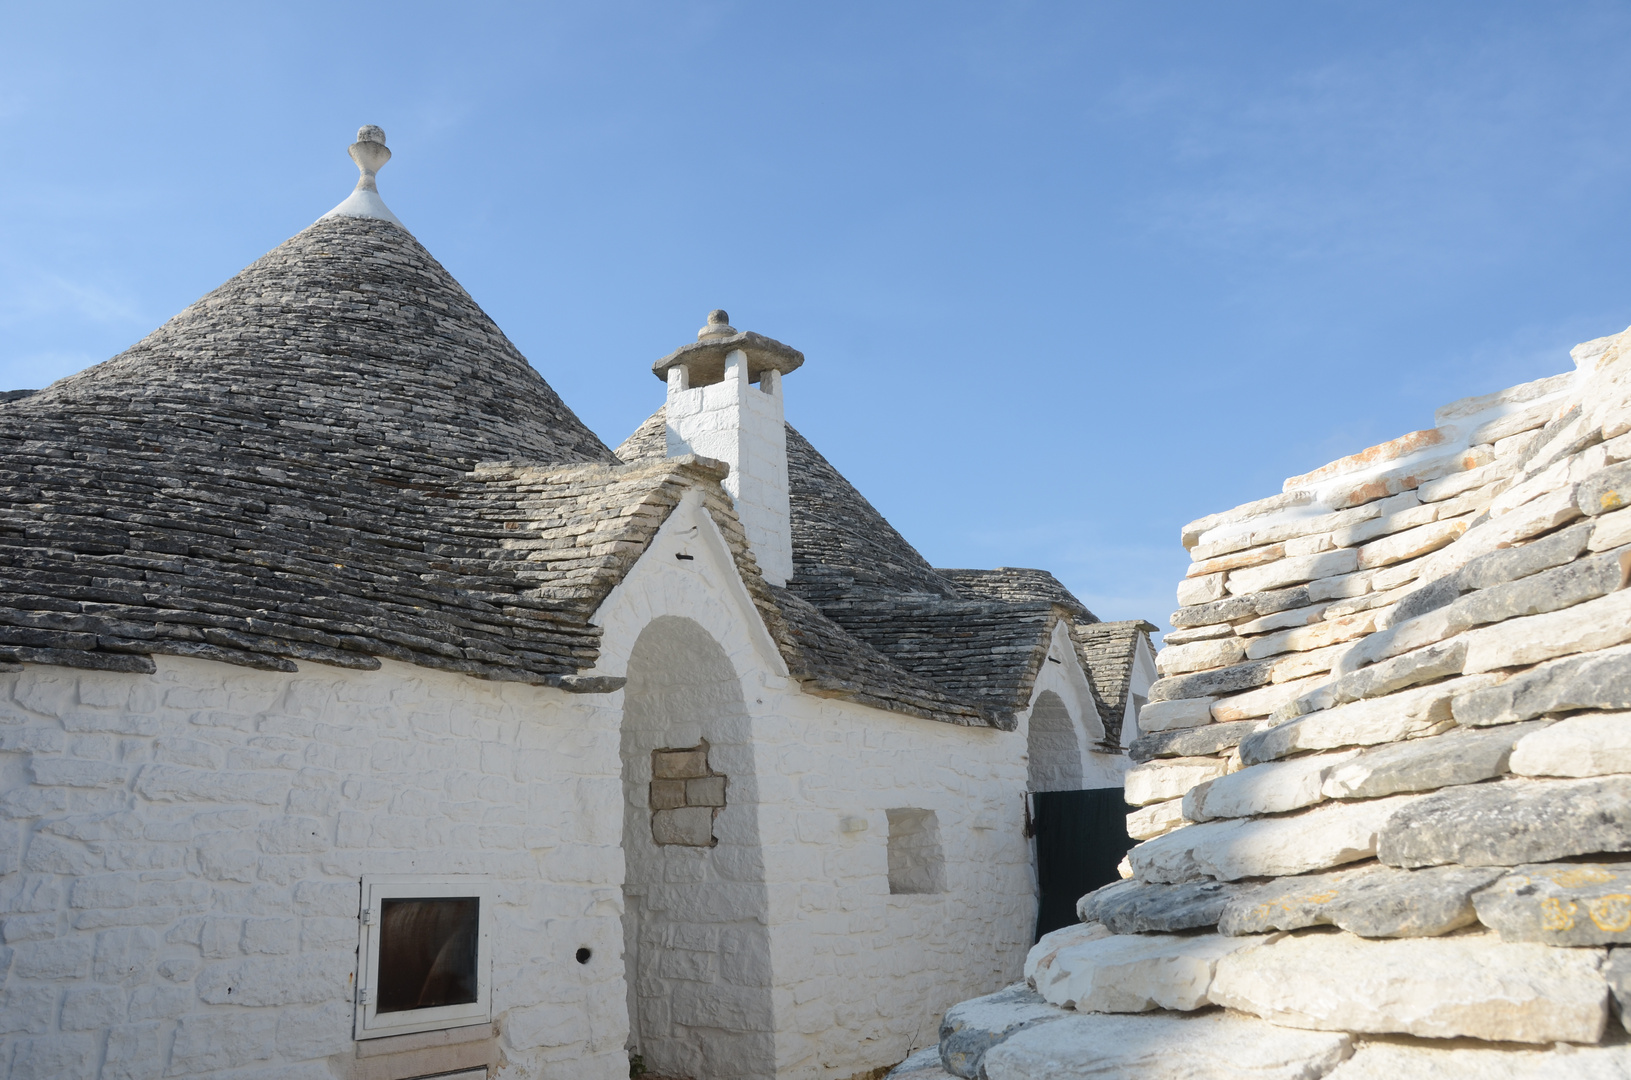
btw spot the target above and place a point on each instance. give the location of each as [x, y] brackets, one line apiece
[427, 952]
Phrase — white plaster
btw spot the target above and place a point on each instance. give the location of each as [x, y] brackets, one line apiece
[859, 975]
[744, 426]
[166, 837]
[363, 204]
[1140, 679]
[187, 884]
[1069, 681]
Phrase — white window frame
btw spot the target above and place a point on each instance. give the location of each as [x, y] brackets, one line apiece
[370, 1024]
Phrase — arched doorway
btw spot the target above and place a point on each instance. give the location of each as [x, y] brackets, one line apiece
[1054, 751]
[696, 943]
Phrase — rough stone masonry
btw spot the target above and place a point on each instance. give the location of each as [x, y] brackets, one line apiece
[1384, 783]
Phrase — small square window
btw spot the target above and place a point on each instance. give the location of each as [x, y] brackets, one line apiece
[916, 862]
[425, 961]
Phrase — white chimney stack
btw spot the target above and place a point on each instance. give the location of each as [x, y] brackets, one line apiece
[715, 409]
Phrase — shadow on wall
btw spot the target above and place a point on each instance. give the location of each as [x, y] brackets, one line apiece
[695, 923]
[1055, 752]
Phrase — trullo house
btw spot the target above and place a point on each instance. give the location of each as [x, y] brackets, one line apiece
[363, 715]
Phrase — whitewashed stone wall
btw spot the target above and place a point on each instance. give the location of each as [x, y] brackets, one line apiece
[181, 856]
[182, 853]
[860, 976]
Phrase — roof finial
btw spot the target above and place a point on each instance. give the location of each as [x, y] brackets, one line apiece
[719, 325]
[370, 153]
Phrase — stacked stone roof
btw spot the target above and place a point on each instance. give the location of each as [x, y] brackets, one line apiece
[337, 457]
[1385, 791]
[1108, 649]
[978, 636]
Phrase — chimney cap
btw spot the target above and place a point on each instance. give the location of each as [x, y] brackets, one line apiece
[705, 357]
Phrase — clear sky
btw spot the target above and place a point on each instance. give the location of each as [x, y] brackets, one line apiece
[1066, 275]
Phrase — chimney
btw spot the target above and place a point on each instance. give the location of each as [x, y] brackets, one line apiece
[725, 402]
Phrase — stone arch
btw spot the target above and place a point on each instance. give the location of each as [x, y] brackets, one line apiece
[696, 943]
[1053, 747]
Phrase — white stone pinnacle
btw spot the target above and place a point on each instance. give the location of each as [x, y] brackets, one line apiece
[370, 153]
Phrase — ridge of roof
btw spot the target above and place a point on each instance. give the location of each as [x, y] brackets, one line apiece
[1017, 583]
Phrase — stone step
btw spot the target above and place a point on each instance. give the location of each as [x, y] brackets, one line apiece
[975, 1026]
[1165, 1046]
[1469, 984]
[1405, 1060]
[923, 1065]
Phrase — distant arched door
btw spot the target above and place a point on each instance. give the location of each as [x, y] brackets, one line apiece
[1054, 749]
[696, 943]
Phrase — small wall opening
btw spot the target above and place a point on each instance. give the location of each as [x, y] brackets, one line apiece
[1054, 751]
[917, 863]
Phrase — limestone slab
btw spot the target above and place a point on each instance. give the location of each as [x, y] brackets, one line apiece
[1371, 901]
[1199, 633]
[1560, 904]
[1424, 665]
[1200, 655]
[1319, 839]
[1463, 756]
[1210, 1046]
[1255, 704]
[1133, 907]
[972, 1027]
[1468, 984]
[1191, 742]
[1409, 1061]
[1292, 571]
[1587, 627]
[1168, 778]
[1596, 681]
[1137, 972]
[1275, 787]
[1510, 564]
[1408, 714]
[1039, 960]
[1282, 620]
[1587, 744]
[1609, 490]
[1156, 819]
[1507, 823]
[1212, 683]
[1611, 531]
[1410, 544]
[1201, 590]
[1316, 636]
[923, 1065]
[1618, 973]
[1236, 560]
[1168, 715]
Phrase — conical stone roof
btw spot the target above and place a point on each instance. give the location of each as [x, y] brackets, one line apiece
[348, 342]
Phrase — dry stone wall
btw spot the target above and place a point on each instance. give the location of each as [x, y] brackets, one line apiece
[1384, 783]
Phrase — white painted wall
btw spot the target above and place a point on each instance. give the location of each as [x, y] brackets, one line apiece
[744, 426]
[1142, 677]
[181, 856]
[695, 924]
[860, 976]
[164, 837]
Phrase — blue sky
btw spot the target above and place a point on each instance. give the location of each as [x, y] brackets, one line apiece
[1066, 275]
